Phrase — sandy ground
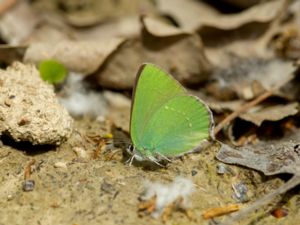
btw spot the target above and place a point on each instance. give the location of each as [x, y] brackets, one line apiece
[100, 188]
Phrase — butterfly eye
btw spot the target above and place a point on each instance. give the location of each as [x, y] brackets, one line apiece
[130, 148]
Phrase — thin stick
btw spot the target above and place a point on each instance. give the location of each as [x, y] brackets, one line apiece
[247, 106]
[293, 182]
[27, 170]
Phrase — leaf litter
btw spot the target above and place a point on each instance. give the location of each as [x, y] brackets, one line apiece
[242, 59]
[269, 157]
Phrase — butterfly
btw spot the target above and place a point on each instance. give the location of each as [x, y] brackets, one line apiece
[165, 120]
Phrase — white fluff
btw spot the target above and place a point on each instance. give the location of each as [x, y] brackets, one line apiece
[166, 194]
[80, 100]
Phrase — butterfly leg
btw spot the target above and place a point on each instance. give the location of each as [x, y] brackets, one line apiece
[129, 149]
[164, 157]
[153, 159]
[130, 160]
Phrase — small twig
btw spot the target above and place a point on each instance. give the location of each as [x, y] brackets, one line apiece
[220, 211]
[293, 182]
[27, 170]
[247, 106]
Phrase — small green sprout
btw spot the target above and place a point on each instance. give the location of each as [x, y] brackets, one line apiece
[52, 71]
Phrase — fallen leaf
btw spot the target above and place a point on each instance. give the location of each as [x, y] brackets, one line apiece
[270, 113]
[78, 56]
[179, 54]
[126, 27]
[159, 29]
[92, 12]
[269, 157]
[244, 35]
[48, 33]
[195, 15]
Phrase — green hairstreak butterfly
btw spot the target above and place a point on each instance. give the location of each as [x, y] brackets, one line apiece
[165, 120]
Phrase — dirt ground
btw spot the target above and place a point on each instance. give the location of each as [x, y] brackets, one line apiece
[98, 187]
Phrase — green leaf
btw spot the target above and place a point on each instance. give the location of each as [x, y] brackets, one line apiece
[52, 71]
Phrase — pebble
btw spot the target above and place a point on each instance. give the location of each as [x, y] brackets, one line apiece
[194, 172]
[240, 192]
[221, 168]
[28, 185]
[60, 165]
[107, 187]
[9, 197]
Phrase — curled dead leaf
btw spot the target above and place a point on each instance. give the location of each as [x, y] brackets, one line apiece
[195, 15]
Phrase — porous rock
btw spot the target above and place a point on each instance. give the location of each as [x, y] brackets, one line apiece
[29, 109]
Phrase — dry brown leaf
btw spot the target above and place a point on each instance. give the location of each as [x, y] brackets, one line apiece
[261, 13]
[257, 114]
[247, 34]
[78, 56]
[187, 13]
[194, 15]
[159, 29]
[224, 106]
[92, 12]
[270, 157]
[270, 113]
[217, 105]
[49, 33]
[18, 23]
[181, 55]
[127, 27]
